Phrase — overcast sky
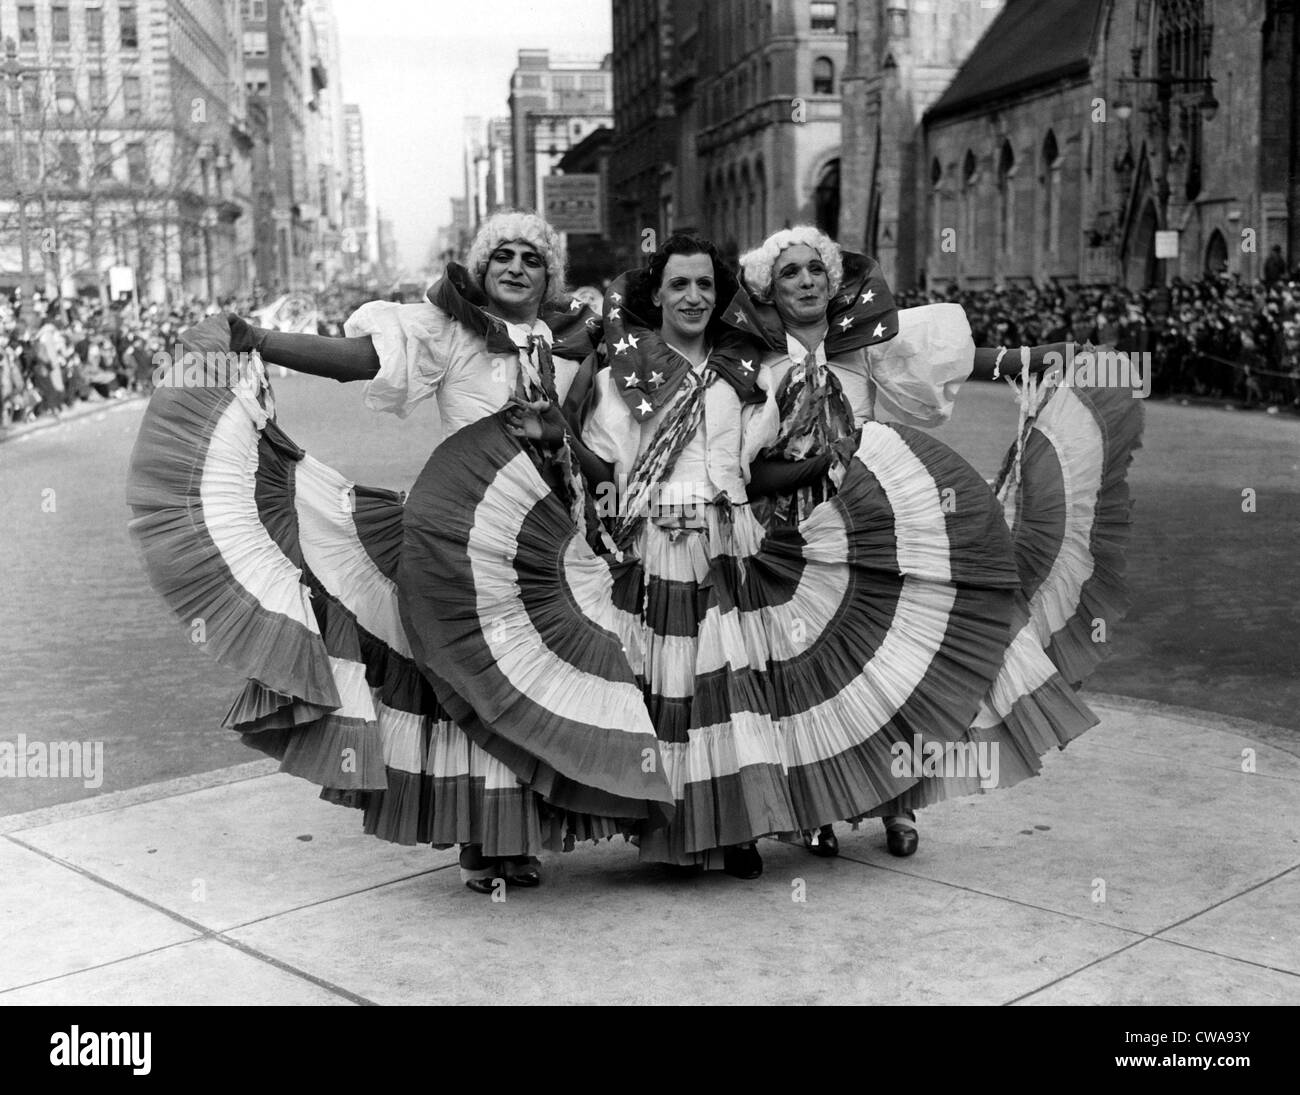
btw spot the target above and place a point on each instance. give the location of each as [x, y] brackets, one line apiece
[418, 67]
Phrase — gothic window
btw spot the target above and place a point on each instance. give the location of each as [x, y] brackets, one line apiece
[1006, 198]
[970, 186]
[936, 201]
[826, 200]
[1051, 179]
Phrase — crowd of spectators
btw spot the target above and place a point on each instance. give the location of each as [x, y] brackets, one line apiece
[55, 357]
[1217, 336]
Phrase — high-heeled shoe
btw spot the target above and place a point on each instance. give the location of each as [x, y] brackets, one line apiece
[479, 872]
[742, 861]
[824, 842]
[901, 836]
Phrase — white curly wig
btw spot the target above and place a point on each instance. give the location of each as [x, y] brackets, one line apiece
[513, 225]
[756, 266]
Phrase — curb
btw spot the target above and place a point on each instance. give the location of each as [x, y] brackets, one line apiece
[137, 796]
[77, 414]
[1277, 736]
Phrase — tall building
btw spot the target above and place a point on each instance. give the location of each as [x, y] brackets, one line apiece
[131, 147]
[356, 208]
[553, 106]
[325, 143]
[387, 263]
[644, 149]
[729, 117]
[501, 165]
[489, 163]
[1077, 130]
[902, 55]
[276, 74]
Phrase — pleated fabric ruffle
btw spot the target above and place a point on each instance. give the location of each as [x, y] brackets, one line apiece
[779, 671]
[1070, 512]
[1066, 500]
[509, 615]
[896, 628]
[285, 570]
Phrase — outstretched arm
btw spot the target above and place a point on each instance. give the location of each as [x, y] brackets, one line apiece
[340, 359]
[993, 363]
[772, 475]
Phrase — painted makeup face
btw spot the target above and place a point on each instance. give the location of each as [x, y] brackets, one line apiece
[515, 278]
[801, 285]
[686, 296]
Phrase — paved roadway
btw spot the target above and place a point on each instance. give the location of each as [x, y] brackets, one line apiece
[88, 652]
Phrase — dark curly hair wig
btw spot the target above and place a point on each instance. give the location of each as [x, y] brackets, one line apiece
[650, 278]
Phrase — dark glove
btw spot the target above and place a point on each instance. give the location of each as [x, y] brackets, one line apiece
[541, 421]
[769, 475]
[843, 449]
[244, 337]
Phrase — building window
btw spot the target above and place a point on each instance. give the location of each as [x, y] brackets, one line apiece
[1051, 194]
[31, 96]
[95, 27]
[136, 167]
[1007, 197]
[69, 163]
[936, 205]
[32, 167]
[255, 43]
[60, 24]
[823, 76]
[970, 195]
[129, 28]
[98, 91]
[65, 89]
[823, 16]
[254, 10]
[103, 166]
[27, 25]
[131, 96]
[7, 162]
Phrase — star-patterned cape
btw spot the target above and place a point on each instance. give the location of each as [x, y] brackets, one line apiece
[575, 328]
[648, 371]
[861, 313]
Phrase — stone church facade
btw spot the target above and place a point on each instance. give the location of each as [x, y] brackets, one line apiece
[1078, 129]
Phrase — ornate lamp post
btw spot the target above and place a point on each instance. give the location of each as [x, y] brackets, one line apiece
[1165, 82]
[14, 71]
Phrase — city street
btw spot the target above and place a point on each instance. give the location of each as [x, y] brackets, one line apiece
[90, 653]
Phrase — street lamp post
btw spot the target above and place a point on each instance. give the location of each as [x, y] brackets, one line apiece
[14, 72]
[1164, 84]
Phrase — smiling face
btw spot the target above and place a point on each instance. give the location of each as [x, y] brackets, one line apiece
[801, 285]
[515, 280]
[686, 296]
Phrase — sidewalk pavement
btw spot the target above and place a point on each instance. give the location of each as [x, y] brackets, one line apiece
[86, 409]
[1143, 867]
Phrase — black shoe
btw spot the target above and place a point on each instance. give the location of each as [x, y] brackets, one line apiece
[901, 836]
[479, 872]
[522, 871]
[742, 861]
[824, 842]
